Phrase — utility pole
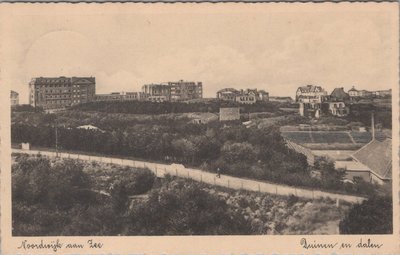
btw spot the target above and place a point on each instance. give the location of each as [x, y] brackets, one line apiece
[56, 127]
[373, 125]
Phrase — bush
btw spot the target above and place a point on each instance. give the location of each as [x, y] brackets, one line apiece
[185, 209]
[372, 216]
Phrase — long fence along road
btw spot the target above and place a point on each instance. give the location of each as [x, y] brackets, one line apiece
[161, 170]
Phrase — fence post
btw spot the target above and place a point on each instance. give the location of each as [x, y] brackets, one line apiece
[313, 194]
[156, 170]
[144, 164]
[69, 155]
[201, 177]
[241, 183]
[276, 189]
[111, 160]
[89, 157]
[188, 174]
[259, 188]
[176, 171]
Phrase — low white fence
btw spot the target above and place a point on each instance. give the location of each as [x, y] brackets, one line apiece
[160, 170]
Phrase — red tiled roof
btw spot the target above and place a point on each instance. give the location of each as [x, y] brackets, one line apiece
[377, 156]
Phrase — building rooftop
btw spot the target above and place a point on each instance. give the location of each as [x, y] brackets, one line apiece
[311, 88]
[377, 156]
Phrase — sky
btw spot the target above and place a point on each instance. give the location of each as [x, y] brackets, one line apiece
[275, 47]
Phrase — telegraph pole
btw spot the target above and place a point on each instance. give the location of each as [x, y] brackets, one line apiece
[56, 126]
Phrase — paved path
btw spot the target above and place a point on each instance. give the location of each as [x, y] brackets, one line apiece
[226, 181]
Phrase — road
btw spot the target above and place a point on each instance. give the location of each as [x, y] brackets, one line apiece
[231, 182]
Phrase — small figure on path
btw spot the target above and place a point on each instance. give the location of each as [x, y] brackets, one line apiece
[218, 172]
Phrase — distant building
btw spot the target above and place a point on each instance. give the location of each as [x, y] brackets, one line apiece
[14, 97]
[90, 127]
[281, 99]
[339, 95]
[227, 94]
[311, 94]
[60, 92]
[226, 114]
[120, 96]
[310, 110]
[157, 92]
[173, 91]
[185, 90]
[247, 96]
[355, 94]
[338, 109]
[114, 96]
[382, 93]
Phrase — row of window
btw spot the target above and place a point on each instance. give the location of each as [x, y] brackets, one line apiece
[57, 85]
[247, 98]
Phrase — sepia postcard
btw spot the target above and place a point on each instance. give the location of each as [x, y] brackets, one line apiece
[210, 128]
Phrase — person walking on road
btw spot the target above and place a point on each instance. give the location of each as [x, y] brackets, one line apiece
[218, 172]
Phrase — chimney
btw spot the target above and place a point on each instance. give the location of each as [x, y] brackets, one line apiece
[373, 126]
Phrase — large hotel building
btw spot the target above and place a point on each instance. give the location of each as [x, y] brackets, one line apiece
[60, 92]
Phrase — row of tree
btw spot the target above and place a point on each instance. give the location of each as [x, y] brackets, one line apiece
[147, 107]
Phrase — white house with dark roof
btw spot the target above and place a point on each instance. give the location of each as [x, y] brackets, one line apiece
[311, 94]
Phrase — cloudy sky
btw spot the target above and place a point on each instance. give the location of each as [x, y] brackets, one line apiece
[267, 46]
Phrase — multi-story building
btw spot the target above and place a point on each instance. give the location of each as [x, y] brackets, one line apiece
[157, 92]
[185, 90]
[14, 97]
[311, 94]
[173, 91]
[227, 94]
[60, 92]
[247, 96]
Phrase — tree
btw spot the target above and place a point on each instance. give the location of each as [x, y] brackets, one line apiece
[239, 152]
[372, 216]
